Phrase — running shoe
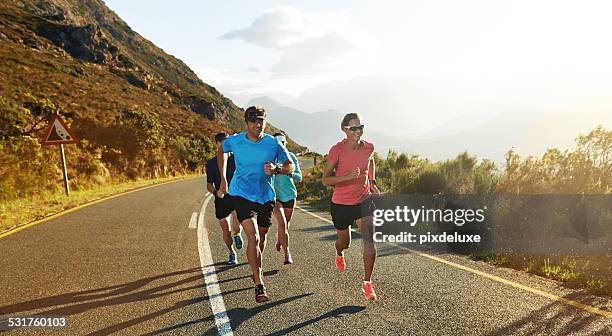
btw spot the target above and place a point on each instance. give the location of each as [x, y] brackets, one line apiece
[232, 260]
[238, 241]
[368, 291]
[260, 294]
[340, 263]
[278, 246]
[288, 259]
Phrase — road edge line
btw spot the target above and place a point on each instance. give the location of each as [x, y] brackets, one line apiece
[202, 210]
[193, 221]
[215, 296]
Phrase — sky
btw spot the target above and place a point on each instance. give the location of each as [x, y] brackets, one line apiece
[290, 46]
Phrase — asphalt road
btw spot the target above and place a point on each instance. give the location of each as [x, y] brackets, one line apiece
[132, 266]
[306, 163]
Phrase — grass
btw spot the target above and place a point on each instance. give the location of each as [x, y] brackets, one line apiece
[591, 273]
[22, 211]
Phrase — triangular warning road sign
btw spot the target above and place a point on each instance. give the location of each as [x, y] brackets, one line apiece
[58, 133]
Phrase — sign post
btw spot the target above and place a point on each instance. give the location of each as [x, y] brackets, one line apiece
[66, 187]
[58, 133]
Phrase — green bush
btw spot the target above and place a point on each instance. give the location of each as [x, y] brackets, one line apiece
[130, 146]
[195, 152]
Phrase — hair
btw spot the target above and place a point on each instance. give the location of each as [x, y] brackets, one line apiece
[254, 108]
[347, 118]
[220, 136]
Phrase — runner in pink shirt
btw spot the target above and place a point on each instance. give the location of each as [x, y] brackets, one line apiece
[350, 169]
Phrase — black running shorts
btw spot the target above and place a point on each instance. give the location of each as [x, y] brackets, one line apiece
[246, 209]
[223, 207]
[287, 205]
[344, 216]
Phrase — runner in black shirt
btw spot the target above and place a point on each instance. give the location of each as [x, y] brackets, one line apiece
[224, 210]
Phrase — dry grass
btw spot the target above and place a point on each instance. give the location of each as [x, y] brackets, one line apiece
[22, 211]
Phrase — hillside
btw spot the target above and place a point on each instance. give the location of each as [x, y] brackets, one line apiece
[138, 111]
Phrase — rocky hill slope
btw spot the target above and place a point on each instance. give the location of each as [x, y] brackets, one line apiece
[139, 111]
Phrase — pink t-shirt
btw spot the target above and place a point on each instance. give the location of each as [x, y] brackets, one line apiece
[357, 190]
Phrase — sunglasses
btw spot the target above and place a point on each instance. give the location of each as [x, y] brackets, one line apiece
[354, 128]
[255, 119]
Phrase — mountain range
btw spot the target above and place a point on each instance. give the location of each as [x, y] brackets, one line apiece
[486, 136]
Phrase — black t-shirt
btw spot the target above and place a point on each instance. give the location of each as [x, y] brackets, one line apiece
[212, 171]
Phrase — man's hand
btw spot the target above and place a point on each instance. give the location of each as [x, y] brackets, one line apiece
[268, 168]
[353, 174]
[222, 189]
[374, 189]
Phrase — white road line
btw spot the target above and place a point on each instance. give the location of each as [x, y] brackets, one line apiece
[210, 278]
[201, 217]
[192, 221]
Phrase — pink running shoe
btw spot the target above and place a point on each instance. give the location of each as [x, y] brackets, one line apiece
[340, 263]
[368, 291]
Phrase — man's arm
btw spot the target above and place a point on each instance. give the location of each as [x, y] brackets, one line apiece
[222, 162]
[211, 188]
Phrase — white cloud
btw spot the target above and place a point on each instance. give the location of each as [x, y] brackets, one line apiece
[309, 42]
[315, 54]
[283, 27]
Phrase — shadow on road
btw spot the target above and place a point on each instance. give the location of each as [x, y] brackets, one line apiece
[266, 274]
[82, 301]
[321, 228]
[331, 237]
[560, 319]
[223, 266]
[338, 312]
[149, 288]
[237, 316]
[180, 304]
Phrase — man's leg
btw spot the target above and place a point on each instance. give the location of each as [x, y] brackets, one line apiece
[369, 250]
[227, 236]
[263, 231]
[253, 251]
[235, 224]
[264, 221]
[236, 230]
